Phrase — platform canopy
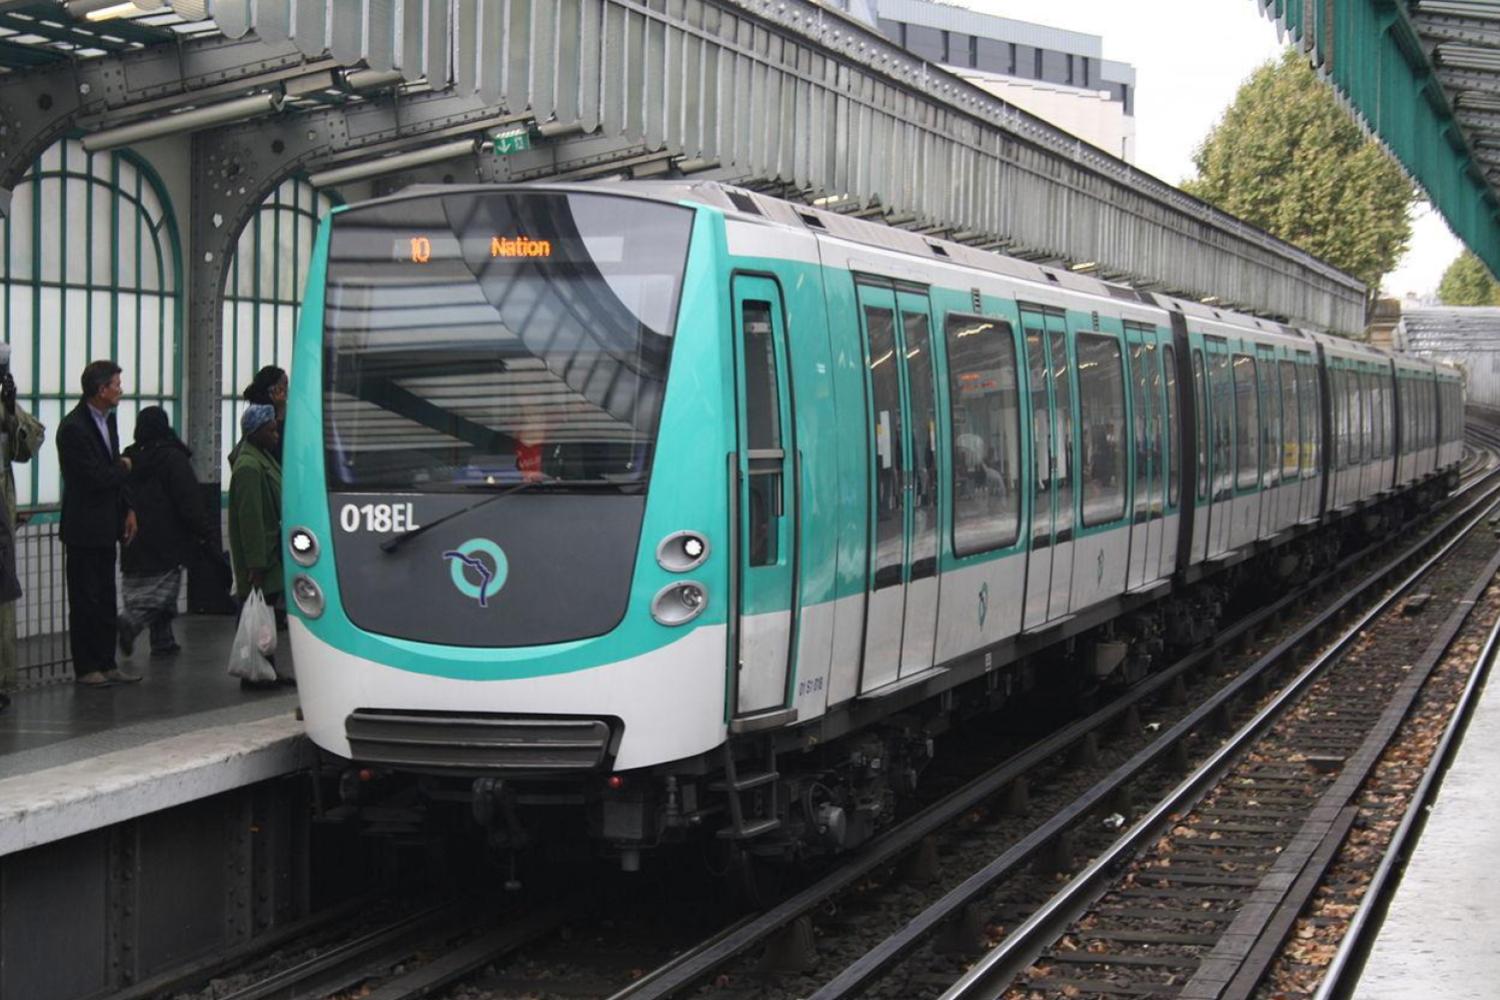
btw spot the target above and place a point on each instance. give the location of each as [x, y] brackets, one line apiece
[1424, 77]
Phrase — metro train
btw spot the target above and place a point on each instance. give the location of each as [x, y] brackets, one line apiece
[644, 509]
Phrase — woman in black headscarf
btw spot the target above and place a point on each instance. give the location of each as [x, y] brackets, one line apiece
[172, 525]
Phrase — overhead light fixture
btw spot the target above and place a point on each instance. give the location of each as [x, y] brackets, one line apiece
[392, 164]
[238, 110]
[1084, 267]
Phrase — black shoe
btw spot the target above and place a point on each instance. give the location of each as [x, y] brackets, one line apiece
[248, 685]
[288, 682]
[166, 650]
[125, 634]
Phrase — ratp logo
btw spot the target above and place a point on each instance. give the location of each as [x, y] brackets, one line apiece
[984, 603]
[480, 559]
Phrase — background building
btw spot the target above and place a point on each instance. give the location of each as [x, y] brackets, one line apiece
[1057, 75]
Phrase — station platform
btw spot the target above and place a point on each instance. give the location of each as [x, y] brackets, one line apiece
[1441, 935]
[78, 759]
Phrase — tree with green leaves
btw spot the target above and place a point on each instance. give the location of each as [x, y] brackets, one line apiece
[1285, 157]
[1468, 283]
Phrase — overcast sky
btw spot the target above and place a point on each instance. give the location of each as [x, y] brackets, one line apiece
[1190, 56]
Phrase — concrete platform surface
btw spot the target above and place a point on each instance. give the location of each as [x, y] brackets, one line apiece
[76, 759]
[1441, 937]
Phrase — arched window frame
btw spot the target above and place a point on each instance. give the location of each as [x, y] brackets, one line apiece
[117, 180]
[258, 327]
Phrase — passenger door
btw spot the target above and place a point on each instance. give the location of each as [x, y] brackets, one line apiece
[1049, 563]
[901, 613]
[766, 499]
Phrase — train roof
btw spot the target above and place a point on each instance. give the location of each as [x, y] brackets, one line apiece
[760, 209]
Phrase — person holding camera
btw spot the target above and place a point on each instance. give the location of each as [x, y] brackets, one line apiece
[21, 435]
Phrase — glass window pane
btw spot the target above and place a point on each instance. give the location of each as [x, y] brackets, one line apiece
[985, 421]
[1200, 394]
[75, 229]
[1101, 394]
[1222, 389]
[1041, 434]
[1140, 424]
[147, 377]
[1169, 364]
[1246, 423]
[885, 423]
[924, 466]
[52, 248]
[1290, 419]
[50, 379]
[101, 234]
[21, 235]
[1062, 426]
[22, 338]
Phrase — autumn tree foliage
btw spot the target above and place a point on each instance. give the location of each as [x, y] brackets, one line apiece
[1468, 283]
[1288, 159]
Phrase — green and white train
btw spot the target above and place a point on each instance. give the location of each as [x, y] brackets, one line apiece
[663, 507]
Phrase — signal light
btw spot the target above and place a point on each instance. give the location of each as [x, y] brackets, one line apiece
[365, 774]
[614, 782]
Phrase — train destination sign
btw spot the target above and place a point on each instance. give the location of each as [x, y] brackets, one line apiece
[422, 249]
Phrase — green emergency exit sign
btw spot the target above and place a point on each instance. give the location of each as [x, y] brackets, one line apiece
[514, 141]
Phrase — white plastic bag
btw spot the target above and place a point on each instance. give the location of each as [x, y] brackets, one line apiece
[254, 640]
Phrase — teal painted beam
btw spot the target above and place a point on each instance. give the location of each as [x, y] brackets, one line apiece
[1372, 54]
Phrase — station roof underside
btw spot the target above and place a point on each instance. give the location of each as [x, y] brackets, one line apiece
[1424, 77]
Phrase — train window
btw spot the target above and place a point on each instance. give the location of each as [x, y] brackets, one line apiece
[1222, 385]
[1101, 395]
[1200, 391]
[1270, 424]
[762, 427]
[1310, 393]
[1359, 424]
[1140, 359]
[1387, 415]
[1291, 424]
[1174, 471]
[1371, 415]
[985, 421]
[762, 407]
[1341, 414]
[1403, 400]
[1041, 435]
[924, 461]
[1246, 423]
[890, 444]
[1062, 417]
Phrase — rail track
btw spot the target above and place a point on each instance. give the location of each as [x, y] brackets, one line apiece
[1120, 757]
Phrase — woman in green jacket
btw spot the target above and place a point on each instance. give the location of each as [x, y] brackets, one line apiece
[255, 515]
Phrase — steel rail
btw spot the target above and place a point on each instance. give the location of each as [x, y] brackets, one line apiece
[704, 959]
[993, 974]
[1348, 962]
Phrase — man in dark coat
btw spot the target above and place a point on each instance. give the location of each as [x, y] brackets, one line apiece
[95, 515]
[173, 527]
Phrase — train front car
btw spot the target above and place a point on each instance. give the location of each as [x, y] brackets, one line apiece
[503, 511]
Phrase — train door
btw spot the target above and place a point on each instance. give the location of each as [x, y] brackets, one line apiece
[900, 617]
[1049, 561]
[1146, 421]
[766, 499]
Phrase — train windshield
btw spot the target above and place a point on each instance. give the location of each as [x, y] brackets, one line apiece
[480, 340]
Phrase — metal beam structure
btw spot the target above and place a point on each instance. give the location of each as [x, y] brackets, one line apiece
[1424, 77]
[784, 95]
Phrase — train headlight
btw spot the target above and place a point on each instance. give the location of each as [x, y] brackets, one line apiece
[679, 603]
[682, 551]
[304, 546]
[308, 595]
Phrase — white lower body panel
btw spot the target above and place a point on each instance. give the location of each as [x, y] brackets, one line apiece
[671, 700]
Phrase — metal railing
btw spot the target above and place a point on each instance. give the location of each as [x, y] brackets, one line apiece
[43, 653]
